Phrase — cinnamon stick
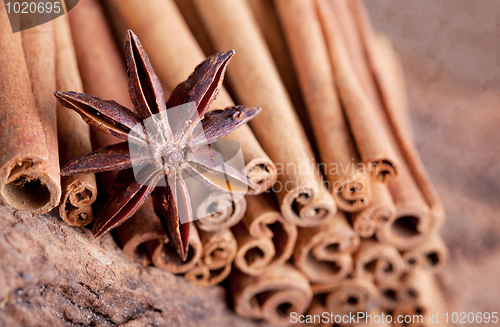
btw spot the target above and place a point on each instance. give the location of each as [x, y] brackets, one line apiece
[142, 227]
[378, 262]
[413, 222]
[430, 255]
[79, 191]
[219, 211]
[164, 256]
[375, 216]
[101, 66]
[382, 57]
[371, 138]
[323, 253]
[302, 196]
[167, 39]
[264, 237]
[350, 188]
[219, 251]
[425, 300]
[348, 295]
[271, 296]
[28, 180]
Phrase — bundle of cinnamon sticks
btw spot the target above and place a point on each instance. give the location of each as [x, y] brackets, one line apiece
[342, 217]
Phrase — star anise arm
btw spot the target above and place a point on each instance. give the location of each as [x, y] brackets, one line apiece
[124, 198]
[219, 123]
[145, 89]
[172, 202]
[211, 168]
[106, 116]
[111, 157]
[204, 83]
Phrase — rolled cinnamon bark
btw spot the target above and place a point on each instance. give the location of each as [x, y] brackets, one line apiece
[265, 15]
[424, 301]
[323, 253]
[167, 39]
[370, 136]
[413, 222]
[142, 227]
[264, 237]
[379, 213]
[101, 66]
[348, 295]
[164, 256]
[431, 255]
[271, 296]
[378, 262]
[350, 188]
[219, 211]
[389, 294]
[79, 191]
[381, 55]
[302, 196]
[27, 180]
[219, 251]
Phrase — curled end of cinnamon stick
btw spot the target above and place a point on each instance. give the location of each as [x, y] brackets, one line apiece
[353, 194]
[410, 226]
[384, 170]
[78, 196]
[366, 222]
[307, 207]
[29, 187]
[261, 174]
[219, 211]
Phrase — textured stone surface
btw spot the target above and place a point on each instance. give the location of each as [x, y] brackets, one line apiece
[56, 275]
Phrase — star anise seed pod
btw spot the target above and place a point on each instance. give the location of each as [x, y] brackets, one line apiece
[169, 151]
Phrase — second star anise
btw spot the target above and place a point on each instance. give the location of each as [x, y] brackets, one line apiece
[161, 146]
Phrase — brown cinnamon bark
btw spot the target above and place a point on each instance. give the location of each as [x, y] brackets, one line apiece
[264, 237]
[380, 55]
[164, 256]
[413, 221]
[350, 188]
[348, 295]
[271, 296]
[101, 66]
[219, 211]
[26, 177]
[167, 39]
[371, 138]
[302, 196]
[323, 253]
[142, 227]
[430, 255]
[79, 191]
[265, 15]
[39, 53]
[219, 251]
[423, 298]
[378, 262]
[379, 213]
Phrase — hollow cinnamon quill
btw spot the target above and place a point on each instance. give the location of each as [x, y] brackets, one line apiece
[80, 191]
[323, 253]
[302, 196]
[219, 251]
[28, 180]
[167, 39]
[350, 188]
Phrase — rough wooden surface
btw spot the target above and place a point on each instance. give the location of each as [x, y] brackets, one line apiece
[56, 275]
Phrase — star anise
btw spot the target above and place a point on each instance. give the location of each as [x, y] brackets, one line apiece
[170, 143]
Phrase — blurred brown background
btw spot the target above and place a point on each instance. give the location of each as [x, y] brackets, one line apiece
[451, 56]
